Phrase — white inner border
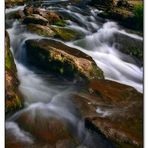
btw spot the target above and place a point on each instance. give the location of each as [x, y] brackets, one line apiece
[2, 117]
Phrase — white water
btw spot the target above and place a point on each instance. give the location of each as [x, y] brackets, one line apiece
[110, 59]
[45, 98]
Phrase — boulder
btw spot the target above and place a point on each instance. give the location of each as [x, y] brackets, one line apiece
[114, 110]
[35, 19]
[66, 34]
[129, 45]
[13, 98]
[56, 57]
[41, 30]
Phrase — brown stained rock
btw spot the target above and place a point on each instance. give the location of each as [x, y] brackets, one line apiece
[113, 109]
[35, 19]
[62, 59]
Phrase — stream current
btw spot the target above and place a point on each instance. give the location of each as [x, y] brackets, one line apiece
[46, 96]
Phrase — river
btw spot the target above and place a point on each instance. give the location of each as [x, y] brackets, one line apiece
[45, 97]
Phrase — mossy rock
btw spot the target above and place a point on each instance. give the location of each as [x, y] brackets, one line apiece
[61, 59]
[13, 97]
[60, 23]
[129, 45]
[41, 30]
[66, 34]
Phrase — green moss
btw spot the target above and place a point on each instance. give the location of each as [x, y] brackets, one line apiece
[97, 71]
[66, 34]
[138, 16]
[61, 23]
[9, 61]
[61, 70]
[14, 103]
[41, 30]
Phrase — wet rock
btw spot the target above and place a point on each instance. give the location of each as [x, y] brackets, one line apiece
[123, 12]
[35, 19]
[128, 45]
[41, 30]
[11, 3]
[61, 59]
[51, 16]
[114, 110]
[20, 14]
[15, 15]
[66, 34]
[13, 97]
[28, 10]
[46, 129]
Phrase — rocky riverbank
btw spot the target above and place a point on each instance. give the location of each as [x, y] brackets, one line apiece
[128, 13]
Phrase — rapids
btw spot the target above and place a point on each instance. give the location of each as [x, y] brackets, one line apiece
[45, 95]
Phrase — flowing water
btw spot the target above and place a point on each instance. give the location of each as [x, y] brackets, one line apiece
[45, 97]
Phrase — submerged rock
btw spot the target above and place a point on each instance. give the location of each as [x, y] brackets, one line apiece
[61, 59]
[46, 129]
[13, 97]
[114, 110]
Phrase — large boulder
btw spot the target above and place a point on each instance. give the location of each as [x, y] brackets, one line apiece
[13, 97]
[61, 59]
[114, 110]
